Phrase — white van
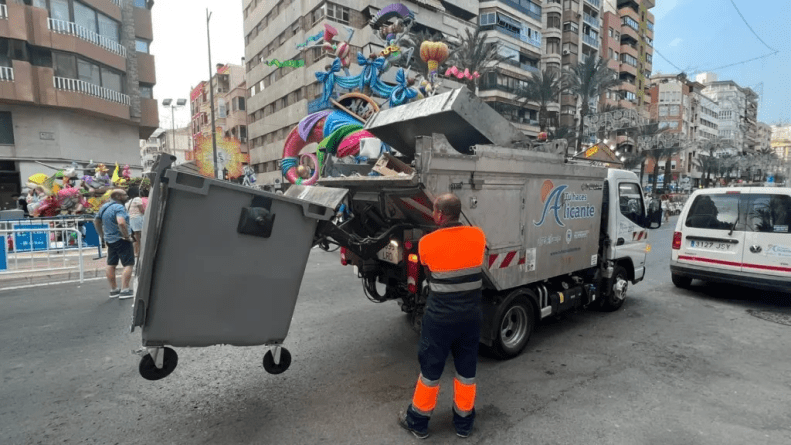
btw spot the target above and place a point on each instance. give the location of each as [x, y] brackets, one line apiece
[735, 235]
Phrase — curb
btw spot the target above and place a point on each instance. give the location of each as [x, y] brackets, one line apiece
[51, 278]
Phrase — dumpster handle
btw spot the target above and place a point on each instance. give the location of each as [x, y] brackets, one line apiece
[310, 213]
[173, 183]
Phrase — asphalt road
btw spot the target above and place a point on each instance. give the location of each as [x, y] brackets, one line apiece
[671, 367]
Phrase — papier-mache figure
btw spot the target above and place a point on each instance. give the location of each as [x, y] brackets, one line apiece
[99, 182]
[71, 201]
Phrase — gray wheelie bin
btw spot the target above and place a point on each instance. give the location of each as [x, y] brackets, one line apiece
[221, 264]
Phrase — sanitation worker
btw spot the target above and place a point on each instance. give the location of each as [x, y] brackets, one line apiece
[453, 255]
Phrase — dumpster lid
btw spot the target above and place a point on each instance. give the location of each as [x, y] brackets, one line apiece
[315, 194]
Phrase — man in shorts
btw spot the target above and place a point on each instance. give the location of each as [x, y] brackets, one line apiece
[112, 224]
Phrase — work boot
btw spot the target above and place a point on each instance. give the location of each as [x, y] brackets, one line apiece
[402, 421]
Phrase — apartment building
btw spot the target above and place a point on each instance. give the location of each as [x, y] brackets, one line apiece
[76, 81]
[580, 38]
[764, 136]
[738, 112]
[516, 25]
[781, 143]
[230, 105]
[680, 106]
[628, 43]
[177, 143]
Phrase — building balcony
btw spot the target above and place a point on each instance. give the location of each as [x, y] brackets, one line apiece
[73, 29]
[595, 3]
[80, 86]
[590, 20]
[526, 6]
[631, 50]
[591, 41]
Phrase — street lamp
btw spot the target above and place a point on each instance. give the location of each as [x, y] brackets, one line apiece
[169, 103]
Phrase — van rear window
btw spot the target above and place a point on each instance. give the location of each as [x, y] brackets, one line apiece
[769, 214]
[718, 212]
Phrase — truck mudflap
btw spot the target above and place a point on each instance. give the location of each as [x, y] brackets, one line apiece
[221, 263]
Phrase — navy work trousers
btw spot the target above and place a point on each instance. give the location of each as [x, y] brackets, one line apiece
[438, 338]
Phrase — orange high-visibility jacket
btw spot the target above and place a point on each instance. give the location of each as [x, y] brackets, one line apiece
[454, 257]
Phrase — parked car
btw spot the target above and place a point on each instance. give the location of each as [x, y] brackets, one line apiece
[735, 235]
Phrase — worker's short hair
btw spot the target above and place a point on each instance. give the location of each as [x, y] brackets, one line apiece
[117, 194]
[448, 204]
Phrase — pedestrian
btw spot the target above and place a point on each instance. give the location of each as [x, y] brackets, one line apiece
[136, 211]
[112, 224]
[666, 207]
[20, 203]
[453, 256]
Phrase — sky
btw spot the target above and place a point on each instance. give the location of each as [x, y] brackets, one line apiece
[699, 35]
[694, 35]
[180, 47]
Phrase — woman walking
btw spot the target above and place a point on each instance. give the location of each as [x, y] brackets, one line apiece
[136, 210]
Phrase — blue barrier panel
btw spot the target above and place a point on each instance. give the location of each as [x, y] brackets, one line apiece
[4, 253]
[22, 239]
[90, 236]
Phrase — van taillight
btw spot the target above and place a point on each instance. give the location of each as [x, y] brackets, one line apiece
[344, 261]
[412, 273]
[676, 240]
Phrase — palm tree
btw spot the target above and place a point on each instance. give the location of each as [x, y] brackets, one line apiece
[634, 160]
[476, 54]
[543, 87]
[588, 80]
[707, 165]
[645, 132]
[666, 153]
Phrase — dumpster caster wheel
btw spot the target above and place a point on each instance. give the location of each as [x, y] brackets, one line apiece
[283, 363]
[148, 368]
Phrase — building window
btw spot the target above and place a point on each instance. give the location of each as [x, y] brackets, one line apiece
[628, 59]
[553, 20]
[240, 104]
[85, 17]
[140, 4]
[338, 13]
[243, 133]
[89, 72]
[317, 14]
[65, 65]
[630, 22]
[142, 46]
[6, 128]
[553, 46]
[146, 92]
[59, 10]
[112, 80]
[109, 28]
[571, 27]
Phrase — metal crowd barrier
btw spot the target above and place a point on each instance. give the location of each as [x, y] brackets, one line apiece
[38, 248]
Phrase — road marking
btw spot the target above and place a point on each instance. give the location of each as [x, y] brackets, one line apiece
[51, 284]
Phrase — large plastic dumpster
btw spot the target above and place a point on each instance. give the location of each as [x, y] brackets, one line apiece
[221, 264]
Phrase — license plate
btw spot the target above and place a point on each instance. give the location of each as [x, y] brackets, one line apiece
[710, 245]
[390, 253]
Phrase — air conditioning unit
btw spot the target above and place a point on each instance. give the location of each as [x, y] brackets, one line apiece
[566, 52]
[577, 15]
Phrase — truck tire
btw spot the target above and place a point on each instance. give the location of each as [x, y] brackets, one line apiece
[680, 282]
[513, 326]
[616, 292]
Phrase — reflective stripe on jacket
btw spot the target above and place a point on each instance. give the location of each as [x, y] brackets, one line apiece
[454, 257]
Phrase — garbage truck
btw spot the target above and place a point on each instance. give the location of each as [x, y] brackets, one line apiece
[561, 234]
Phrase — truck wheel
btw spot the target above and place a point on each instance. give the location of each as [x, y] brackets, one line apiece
[617, 292]
[680, 282]
[514, 325]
